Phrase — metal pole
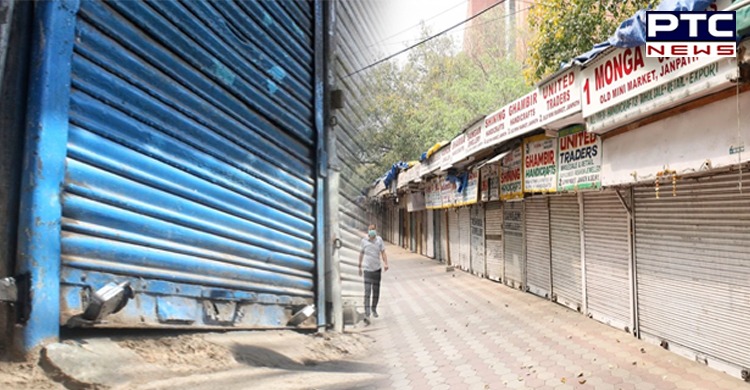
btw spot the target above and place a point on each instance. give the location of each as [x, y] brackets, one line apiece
[322, 163]
[633, 265]
[549, 247]
[631, 260]
[43, 171]
[333, 254]
[581, 225]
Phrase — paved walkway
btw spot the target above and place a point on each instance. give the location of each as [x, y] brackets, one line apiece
[441, 330]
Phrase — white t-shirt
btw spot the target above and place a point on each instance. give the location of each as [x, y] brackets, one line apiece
[371, 250]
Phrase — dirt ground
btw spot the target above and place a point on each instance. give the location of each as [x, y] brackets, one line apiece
[186, 352]
[26, 375]
[192, 354]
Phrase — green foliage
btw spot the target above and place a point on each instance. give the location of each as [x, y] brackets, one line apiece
[431, 97]
[564, 29]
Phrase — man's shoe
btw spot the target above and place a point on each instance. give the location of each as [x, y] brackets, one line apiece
[367, 321]
[375, 314]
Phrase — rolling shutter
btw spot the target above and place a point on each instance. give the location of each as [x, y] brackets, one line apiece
[453, 236]
[464, 233]
[477, 240]
[513, 229]
[605, 223]
[430, 234]
[190, 163]
[494, 240]
[442, 241]
[538, 271]
[565, 239]
[692, 256]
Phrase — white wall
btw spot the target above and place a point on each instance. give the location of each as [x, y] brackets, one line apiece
[683, 143]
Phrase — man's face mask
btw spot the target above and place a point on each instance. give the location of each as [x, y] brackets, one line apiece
[372, 233]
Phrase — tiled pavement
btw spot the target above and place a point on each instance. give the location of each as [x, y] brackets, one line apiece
[441, 330]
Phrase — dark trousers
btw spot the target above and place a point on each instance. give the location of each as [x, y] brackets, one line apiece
[372, 284]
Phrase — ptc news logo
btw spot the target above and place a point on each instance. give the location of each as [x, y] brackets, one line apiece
[690, 34]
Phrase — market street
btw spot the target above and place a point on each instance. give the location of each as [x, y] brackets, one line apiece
[441, 329]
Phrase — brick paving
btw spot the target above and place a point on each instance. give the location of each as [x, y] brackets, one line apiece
[452, 330]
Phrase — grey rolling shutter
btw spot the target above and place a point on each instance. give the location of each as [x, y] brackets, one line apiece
[513, 229]
[565, 239]
[538, 270]
[693, 267]
[494, 240]
[477, 240]
[453, 236]
[430, 234]
[443, 237]
[605, 222]
[464, 232]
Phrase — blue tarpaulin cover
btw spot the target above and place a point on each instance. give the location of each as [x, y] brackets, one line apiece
[392, 174]
[462, 179]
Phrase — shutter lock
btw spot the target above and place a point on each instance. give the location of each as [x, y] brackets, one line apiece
[8, 290]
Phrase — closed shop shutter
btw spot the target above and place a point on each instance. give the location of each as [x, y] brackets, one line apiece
[605, 227]
[190, 162]
[396, 226]
[430, 234]
[424, 231]
[565, 239]
[538, 270]
[693, 273]
[515, 259]
[494, 240]
[442, 241]
[477, 240]
[415, 231]
[453, 236]
[464, 232]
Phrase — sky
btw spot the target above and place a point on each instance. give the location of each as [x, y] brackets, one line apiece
[402, 28]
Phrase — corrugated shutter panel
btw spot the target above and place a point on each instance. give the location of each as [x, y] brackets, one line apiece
[190, 161]
[565, 239]
[424, 232]
[477, 240]
[453, 236]
[430, 234]
[693, 273]
[464, 232]
[605, 223]
[538, 271]
[494, 242]
[414, 231]
[443, 237]
[515, 259]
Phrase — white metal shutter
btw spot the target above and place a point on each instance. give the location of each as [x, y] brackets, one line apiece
[430, 234]
[605, 222]
[464, 231]
[515, 261]
[453, 237]
[443, 237]
[565, 237]
[477, 240]
[693, 266]
[538, 271]
[395, 226]
[494, 240]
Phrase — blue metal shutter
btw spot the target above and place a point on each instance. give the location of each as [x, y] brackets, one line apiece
[190, 164]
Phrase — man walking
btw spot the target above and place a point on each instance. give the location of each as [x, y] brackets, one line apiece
[369, 260]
